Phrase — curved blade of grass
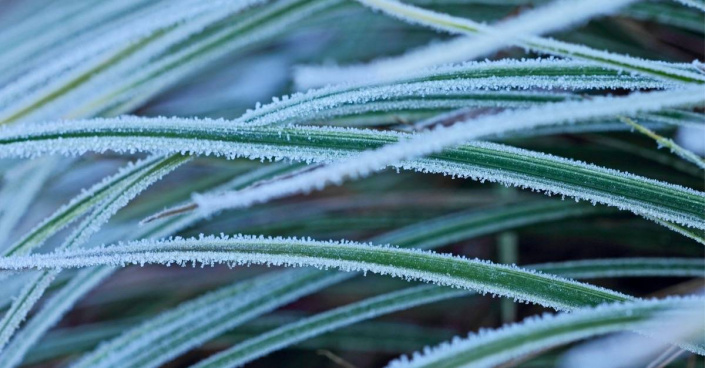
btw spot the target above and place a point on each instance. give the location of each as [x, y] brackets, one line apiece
[185, 58]
[456, 25]
[307, 328]
[442, 90]
[208, 320]
[53, 89]
[79, 206]
[646, 153]
[478, 160]
[103, 211]
[84, 281]
[50, 313]
[253, 178]
[240, 301]
[491, 348]
[429, 234]
[550, 17]
[447, 270]
[669, 14]
[30, 46]
[625, 349]
[388, 337]
[577, 74]
[666, 142]
[626, 267]
[696, 234]
[360, 337]
[432, 142]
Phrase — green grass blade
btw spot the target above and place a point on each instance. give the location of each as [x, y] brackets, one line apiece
[441, 269]
[698, 4]
[160, 339]
[78, 206]
[31, 293]
[666, 142]
[491, 348]
[84, 281]
[428, 234]
[50, 313]
[307, 328]
[322, 145]
[696, 234]
[448, 23]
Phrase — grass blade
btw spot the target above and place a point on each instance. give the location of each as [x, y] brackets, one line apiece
[35, 288]
[456, 25]
[307, 328]
[479, 160]
[495, 347]
[146, 343]
[432, 142]
[698, 4]
[477, 275]
[554, 16]
[428, 234]
[666, 142]
[78, 206]
[50, 313]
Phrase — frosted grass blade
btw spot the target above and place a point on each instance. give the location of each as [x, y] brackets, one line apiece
[240, 301]
[309, 327]
[407, 263]
[490, 348]
[427, 143]
[50, 313]
[54, 309]
[428, 234]
[666, 142]
[31, 293]
[456, 25]
[324, 145]
[78, 206]
[554, 16]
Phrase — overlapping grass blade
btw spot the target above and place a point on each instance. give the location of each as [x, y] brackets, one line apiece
[665, 13]
[53, 310]
[435, 141]
[307, 328]
[468, 85]
[79, 206]
[666, 142]
[696, 234]
[429, 234]
[50, 313]
[456, 25]
[482, 276]
[322, 145]
[54, 89]
[545, 73]
[698, 4]
[491, 348]
[390, 337]
[161, 339]
[547, 18]
[91, 224]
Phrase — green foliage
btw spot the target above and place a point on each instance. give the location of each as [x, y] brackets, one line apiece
[369, 97]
